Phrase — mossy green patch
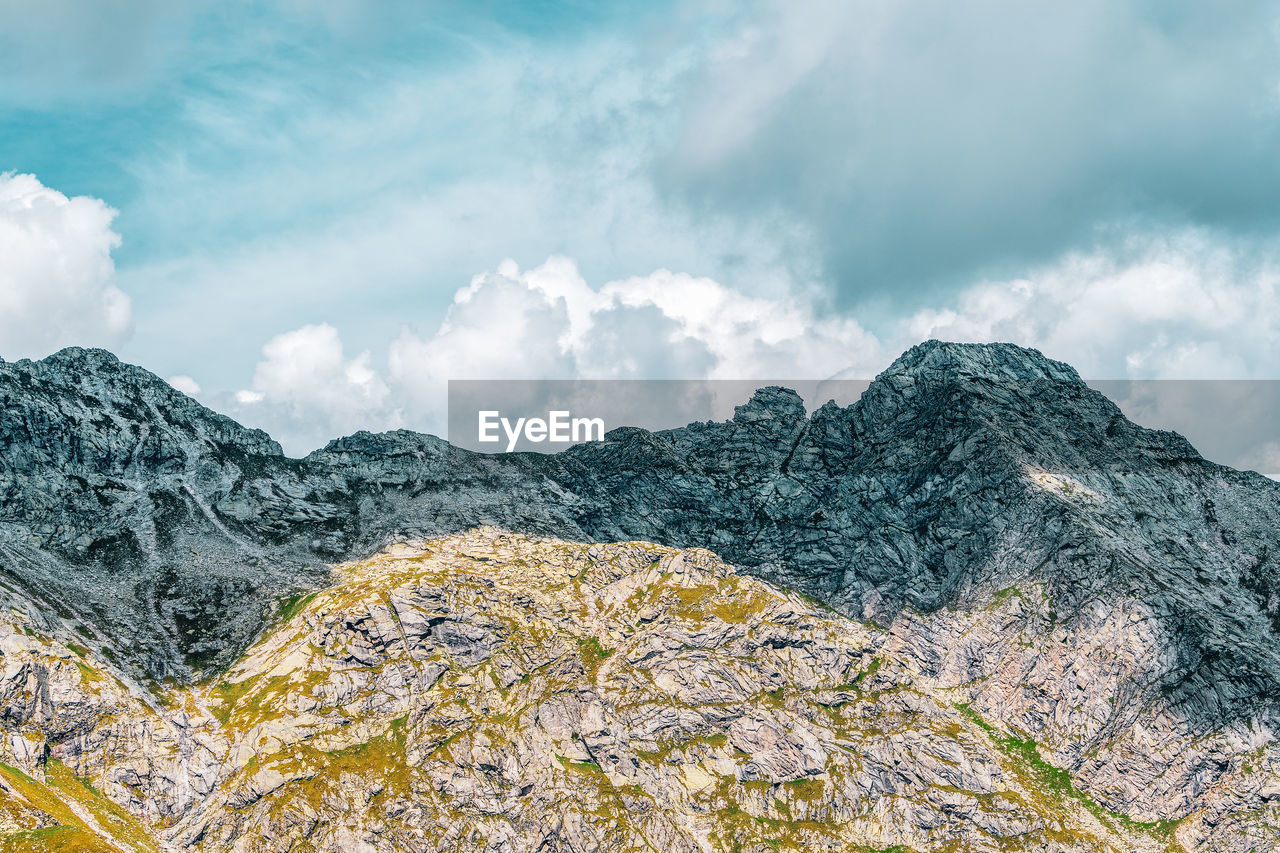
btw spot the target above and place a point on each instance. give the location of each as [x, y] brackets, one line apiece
[246, 702]
[740, 606]
[1007, 592]
[54, 839]
[580, 766]
[856, 682]
[292, 605]
[808, 789]
[87, 673]
[55, 797]
[1056, 784]
[593, 654]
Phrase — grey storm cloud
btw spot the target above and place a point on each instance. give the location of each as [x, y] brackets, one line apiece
[62, 48]
[926, 143]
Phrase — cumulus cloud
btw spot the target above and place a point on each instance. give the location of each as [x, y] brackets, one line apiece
[1181, 306]
[502, 325]
[547, 322]
[57, 279]
[306, 391]
[749, 337]
[185, 384]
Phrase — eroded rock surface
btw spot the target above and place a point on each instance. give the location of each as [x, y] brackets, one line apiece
[490, 691]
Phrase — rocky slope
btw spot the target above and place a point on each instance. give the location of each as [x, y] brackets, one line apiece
[109, 486]
[489, 691]
[1071, 579]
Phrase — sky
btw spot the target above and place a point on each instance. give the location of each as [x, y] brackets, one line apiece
[311, 215]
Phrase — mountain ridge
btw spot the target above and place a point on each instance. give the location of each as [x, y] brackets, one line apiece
[964, 397]
[1082, 583]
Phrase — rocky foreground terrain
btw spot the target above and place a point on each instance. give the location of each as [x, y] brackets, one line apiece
[488, 691]
[976, 610]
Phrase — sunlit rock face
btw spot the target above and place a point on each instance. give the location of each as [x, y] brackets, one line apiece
[491, 691]
[1079, 596]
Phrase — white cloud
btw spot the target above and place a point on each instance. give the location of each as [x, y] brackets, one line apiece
[1175, 307]
[57, 279]
[544, 323]
[305, 391]
[749, 337]
[185, 384]
[548, 322]
[306, 367]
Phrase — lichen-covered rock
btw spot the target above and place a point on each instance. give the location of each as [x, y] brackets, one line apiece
[729, 716]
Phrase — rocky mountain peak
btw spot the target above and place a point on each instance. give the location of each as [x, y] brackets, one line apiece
[380, 446]
[85, 386]
[100, 372]
[87, 357]
[948, 360]
[936, 377]
[769, 404]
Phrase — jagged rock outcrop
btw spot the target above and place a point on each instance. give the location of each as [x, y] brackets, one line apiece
[917, 495]
[117, 508]
[1075, 580]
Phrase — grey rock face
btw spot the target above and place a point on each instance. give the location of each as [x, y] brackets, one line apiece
[130, 507]
[962, 470]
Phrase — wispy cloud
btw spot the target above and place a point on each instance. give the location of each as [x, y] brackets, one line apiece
[926, 144]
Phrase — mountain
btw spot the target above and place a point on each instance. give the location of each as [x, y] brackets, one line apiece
[1091, 596]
